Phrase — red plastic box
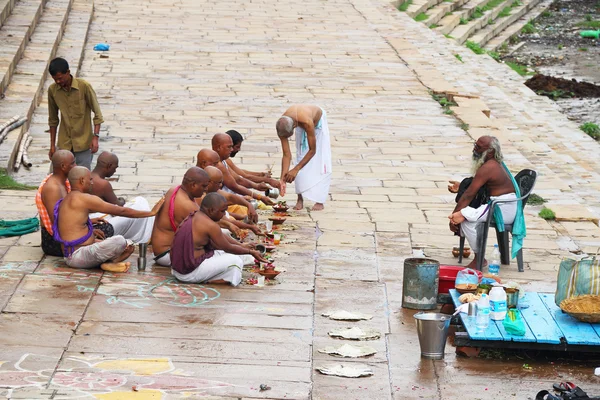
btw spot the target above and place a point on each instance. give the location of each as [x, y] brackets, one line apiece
[448, 276]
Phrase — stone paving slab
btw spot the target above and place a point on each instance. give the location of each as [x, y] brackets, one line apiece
[166, 88]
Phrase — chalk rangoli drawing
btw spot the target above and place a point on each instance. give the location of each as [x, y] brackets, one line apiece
[107, 378]
[156, 288]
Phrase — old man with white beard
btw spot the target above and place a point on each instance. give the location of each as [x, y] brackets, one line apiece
[489, 173]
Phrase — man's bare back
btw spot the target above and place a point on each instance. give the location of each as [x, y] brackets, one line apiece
[304, 114]
[54, 190]
[162, 232]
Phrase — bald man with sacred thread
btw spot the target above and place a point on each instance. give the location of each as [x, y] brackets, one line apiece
[312, 172]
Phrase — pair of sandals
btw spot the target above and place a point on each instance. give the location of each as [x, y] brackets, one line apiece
[567, 391]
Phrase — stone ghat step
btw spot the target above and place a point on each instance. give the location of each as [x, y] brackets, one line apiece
[462, 32]
[450, 22]
[71, 48]
[490, 31]
[515, 28]
[439, 11]
[6, 7]
[23, 92]
[15, 34]
[419, 6]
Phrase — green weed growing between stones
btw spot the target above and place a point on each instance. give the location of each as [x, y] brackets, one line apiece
[518, 68]
[535, 200]
[421, 17]
[591, 24]
[547, 214]
[404, 6]
[463, 21]
[591, 129]
[464, 126]
[474, 47]
[505, 12]
[459, 58]
[529, 28]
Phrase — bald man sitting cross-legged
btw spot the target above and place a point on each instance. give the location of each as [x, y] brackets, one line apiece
[214, 186]
[136, 229]
[223, 145]
[73, 227]
[210, 158]
[53, 188]
[202, 253]
[180, 203]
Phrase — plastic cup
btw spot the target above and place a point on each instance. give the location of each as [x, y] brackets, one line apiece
[276, 238]
[260, 281]
[269, 225]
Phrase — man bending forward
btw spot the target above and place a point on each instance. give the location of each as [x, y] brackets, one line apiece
[201, 253]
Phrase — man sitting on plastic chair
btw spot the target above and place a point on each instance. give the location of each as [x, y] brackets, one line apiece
[488, 169]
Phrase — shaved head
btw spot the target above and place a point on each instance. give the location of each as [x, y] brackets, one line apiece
[214, 174]
[80, 179]
[223, 145]
[212, 201]
[207, 157]
[195, 181]
[194, 174]
[216, 179]
[106, 157]
[62, 158]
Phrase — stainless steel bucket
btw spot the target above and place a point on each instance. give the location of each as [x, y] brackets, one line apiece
[432, 329]
[420, 283]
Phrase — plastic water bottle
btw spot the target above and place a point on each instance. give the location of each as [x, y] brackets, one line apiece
[497, 303]
[483, 312]
[494, 267]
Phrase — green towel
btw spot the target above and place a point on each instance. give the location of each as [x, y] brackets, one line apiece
[18, 227]
[519, 231]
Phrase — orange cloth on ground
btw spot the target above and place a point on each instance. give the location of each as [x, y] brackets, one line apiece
[43, 213]
[237, 209]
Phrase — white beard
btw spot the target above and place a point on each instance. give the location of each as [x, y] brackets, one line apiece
[476, 163]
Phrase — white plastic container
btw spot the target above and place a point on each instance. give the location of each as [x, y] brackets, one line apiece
[483, 312]
[494, 266]
[497, 303]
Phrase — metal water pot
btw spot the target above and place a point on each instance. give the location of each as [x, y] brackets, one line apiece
[272, 193]
[254, 203]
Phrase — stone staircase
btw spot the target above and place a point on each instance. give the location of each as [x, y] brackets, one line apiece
[477, 21]
[32, 33]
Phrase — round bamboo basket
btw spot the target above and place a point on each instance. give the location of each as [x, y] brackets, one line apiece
[584, 308]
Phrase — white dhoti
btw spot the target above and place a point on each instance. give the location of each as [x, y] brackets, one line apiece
[313, 181]
[221, 266]
[97, 253]
[476, 217]
[164, 260]
[137, 230]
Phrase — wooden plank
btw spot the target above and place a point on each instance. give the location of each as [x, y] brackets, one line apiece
[490, 333]
[575, 332]
[539, 320]
[528, 337]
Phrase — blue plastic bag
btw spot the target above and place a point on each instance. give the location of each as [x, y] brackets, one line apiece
[102, 47]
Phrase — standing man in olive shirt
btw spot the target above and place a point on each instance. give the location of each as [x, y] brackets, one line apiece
[76, 99]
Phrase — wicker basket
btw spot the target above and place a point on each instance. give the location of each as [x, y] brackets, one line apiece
[583, 308]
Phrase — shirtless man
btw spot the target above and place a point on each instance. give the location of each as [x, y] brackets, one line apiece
[257, 177]
[136, 229]
[202, 253]
[53, 188]
[73, 228]
[210, 158]
[180, 203]
[487, 169]
[223, 145]
[312, 173]
[214, 186]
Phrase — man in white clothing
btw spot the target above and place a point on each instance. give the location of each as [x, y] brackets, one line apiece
[312, 173]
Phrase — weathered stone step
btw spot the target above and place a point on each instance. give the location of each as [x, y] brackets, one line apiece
[71, 48]
[462, 32]
[439, 11]
[419, 6]
[23, 92]
[15, 34]
[450, 22]
[6, 7]
[515, 28]
[490, 31]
